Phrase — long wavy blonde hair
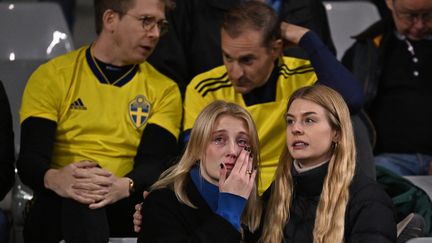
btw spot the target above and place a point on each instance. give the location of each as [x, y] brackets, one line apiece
[330, 214]
[175, 177]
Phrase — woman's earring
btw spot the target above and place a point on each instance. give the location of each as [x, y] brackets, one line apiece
[335, 144]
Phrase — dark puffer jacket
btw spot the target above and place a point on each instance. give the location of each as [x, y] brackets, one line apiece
[369, 216]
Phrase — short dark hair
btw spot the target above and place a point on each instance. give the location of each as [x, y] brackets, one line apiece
[119, 6]
[252, 15]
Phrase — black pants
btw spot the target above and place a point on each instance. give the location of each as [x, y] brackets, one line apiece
[52, 219]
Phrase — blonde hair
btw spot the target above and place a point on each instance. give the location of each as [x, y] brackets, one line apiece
[175, 177]
[330, 213]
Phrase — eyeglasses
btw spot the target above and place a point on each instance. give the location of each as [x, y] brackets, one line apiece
[149, 22]
[411, 18]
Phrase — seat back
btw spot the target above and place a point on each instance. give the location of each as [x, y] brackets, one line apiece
[31, 33]
[348, 18]
[364, 138]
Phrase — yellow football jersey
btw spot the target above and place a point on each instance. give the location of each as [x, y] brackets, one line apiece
[96, 120]
[269, 116]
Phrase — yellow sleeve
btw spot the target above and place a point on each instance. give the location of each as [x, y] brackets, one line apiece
[43, 94]
[193, 104]
[168, 112]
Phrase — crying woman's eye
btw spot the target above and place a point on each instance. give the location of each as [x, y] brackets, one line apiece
[242, 143]
[219, 140]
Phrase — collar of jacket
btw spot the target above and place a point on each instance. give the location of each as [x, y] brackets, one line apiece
[310, 183]
[377, 31]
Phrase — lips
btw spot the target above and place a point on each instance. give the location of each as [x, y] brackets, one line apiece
[243, 82]
[147, 48]
[229, 166]
[299, 144]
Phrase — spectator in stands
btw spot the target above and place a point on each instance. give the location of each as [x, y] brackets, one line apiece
[193, 45]
[257, 77]
[96, 127]
[392, 58]
[7, 159]
[318, 194]
[212, 191]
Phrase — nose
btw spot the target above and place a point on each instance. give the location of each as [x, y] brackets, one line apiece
[419, 23]
[296, 128]
[154, 32]
[233, 149]
[235, 71]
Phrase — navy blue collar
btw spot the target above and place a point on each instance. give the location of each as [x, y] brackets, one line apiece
[98, 72]
[208, 191]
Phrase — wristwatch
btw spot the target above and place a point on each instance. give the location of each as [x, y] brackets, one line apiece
[131, 185]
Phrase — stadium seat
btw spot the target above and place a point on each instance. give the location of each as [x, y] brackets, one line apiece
[364, 134]
[31, 34]
[348, 18]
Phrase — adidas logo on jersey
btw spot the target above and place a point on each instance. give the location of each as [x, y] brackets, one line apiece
[78, 105]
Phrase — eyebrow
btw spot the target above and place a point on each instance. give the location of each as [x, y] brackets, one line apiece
[244, 133]
[247, 56]
[219, 131]
[251, 55]
[142, 16]
[304, 114]
[225, 131]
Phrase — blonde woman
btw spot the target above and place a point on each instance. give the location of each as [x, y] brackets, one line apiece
[318, 195]
[212, 191]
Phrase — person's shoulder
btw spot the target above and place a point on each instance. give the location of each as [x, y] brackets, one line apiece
[218, 73]
[211, 82]
[363, 189]
[295, 62]
[58, 68]
[67, 60]
[161, 196]
[295, 66]
[163, 201]
[70, 58]
[377, 29]
[155, 76]
[370, 212]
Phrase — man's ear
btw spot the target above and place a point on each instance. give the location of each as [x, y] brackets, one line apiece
[277, 48]
[389, 4]
[110, 19]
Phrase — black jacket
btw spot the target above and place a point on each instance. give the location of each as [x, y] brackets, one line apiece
[7, 150]
[365, 58]
[165, 219]
[396, 85]
[369, 216]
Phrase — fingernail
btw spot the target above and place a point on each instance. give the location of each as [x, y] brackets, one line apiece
[221, 165]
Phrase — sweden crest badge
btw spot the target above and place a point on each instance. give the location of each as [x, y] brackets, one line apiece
[139, 111]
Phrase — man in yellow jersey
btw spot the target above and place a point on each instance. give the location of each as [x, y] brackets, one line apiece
[257, 76]
[97, 127]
